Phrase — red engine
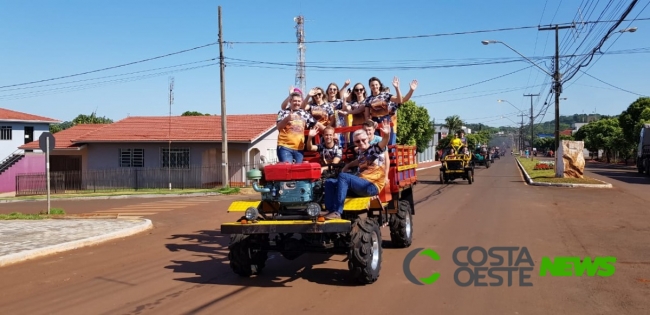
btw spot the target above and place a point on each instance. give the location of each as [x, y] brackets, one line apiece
[287, 171]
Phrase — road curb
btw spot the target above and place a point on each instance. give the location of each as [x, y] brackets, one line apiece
[48, 250]
[119, 197]
[534, 183]
[428, 167]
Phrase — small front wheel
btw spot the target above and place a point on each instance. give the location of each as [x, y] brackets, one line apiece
[246, 258]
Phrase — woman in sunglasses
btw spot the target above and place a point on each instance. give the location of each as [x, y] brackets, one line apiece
[336, 99]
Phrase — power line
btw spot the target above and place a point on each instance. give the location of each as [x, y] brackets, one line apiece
[475, 83]
[614, 86]
[113, 67]
[405, 37]
[93, 85]
[109, 76]
[288, 42]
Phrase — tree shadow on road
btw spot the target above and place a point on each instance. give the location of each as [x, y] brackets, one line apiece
[211, 265]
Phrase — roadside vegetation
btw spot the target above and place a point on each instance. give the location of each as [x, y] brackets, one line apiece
[108, 193]
[543, 171]
[54, 212]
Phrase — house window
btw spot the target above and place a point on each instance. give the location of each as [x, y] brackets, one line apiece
[131, 157]
[5, 133]
[175, 158]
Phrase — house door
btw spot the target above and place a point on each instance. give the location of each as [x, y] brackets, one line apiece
[29, 134]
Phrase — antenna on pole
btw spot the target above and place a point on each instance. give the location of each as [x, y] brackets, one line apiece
[300, 65]
[169, 131]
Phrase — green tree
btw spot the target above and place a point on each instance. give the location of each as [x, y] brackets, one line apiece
[59, 127]
[91, 119]
[193, 113]
[414, 126]
[631, 117]
[604, 134]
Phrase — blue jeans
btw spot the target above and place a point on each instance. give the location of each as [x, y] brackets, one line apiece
[337, 189]
[289, 155]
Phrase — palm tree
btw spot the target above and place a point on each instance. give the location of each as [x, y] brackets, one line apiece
[453, 124]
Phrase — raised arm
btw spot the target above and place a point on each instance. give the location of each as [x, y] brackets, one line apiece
[312, 133]
[283, 123]
[397, 98]
[385, 133]
[343, 95]
[413, 85]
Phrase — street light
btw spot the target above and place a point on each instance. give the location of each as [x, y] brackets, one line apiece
[485, 42]
[501, 101]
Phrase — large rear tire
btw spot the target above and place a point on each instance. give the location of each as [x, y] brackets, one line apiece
[364, 255]
[401, 226]
[246, 258]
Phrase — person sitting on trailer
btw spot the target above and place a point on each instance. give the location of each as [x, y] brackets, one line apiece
[330, 152]
[372, 173]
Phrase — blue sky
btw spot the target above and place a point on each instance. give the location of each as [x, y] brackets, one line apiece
[42, 40]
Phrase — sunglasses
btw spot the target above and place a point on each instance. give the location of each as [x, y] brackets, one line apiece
[360, 140]
[333, 89]
[359, 90]
[319, 94]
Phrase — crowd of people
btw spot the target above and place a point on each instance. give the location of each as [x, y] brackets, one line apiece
[320, 112]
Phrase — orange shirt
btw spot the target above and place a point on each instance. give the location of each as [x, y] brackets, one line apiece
[372, 166]
[293, 135]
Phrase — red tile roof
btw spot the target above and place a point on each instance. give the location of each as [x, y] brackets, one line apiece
[6, 114]
[63, 138]
[241, 128]
[567, 132]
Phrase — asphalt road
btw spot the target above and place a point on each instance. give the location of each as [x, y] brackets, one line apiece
[181, 266]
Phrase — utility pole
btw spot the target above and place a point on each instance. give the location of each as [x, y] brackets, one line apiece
[521, 131]
[532, 136]
[557, 85]
[169, 132]
[224, 132]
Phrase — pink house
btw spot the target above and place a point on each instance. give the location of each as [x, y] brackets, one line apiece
[17, 129]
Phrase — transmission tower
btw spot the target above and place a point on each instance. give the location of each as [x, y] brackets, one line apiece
[300, 64]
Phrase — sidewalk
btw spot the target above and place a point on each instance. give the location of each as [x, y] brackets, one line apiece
[22, 240]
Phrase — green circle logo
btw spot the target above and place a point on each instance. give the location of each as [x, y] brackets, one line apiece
[407, 266]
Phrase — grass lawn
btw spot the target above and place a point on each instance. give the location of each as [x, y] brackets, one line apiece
[548, 176]
[28, 216]
[225, 191]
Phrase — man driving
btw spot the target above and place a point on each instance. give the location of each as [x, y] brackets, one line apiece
[372, 173]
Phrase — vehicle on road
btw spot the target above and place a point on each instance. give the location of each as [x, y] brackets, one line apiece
[643, 151]
[287, 218]
[481, 157]
[456, 165]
